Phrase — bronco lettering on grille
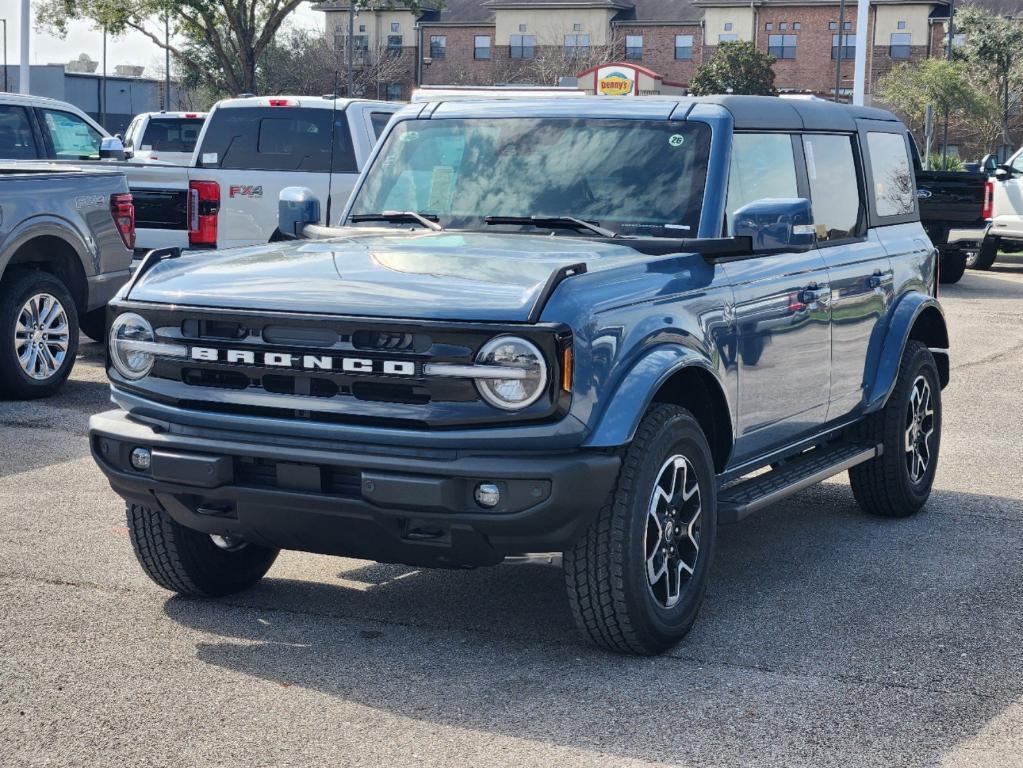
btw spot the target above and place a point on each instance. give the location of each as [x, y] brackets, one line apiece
[306, 362]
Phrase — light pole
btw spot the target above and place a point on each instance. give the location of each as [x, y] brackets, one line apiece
[25, 71]
[841, 47]
[948, 55]
[5, 55]
[351, 47]
[103, 84]
[166, 64]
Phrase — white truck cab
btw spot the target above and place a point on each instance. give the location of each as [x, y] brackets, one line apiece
[165, 137]
[1007, 209]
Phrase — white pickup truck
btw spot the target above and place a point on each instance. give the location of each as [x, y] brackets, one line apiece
[164, 137]
[1006, 233]
[249, 150]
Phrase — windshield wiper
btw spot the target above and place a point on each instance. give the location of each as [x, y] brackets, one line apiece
[428, 220]
[558, 222]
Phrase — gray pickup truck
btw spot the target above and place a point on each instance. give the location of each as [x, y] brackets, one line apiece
[66, 241]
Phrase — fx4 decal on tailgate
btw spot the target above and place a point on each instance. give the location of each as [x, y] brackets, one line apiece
[242, 190]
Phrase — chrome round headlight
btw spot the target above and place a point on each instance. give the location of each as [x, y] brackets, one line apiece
[523, 379]
[131, 339]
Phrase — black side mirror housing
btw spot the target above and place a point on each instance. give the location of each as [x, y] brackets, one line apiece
[776, 224]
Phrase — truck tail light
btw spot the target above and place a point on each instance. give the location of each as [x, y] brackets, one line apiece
[989, 201]
[203, 208]
[122, 209]
[283, 103]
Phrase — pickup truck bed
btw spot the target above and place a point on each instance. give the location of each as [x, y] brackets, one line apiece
[955, 211]
[66, 238]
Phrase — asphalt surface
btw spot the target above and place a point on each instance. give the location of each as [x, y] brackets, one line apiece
[827, 637]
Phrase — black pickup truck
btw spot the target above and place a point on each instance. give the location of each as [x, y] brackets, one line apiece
[955, 209]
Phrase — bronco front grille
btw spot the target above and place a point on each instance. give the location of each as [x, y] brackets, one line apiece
[334, 369]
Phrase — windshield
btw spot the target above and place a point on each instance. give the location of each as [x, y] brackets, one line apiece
[172, 134]
[640, 178]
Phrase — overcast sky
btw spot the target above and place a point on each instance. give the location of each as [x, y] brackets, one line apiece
[82, 38]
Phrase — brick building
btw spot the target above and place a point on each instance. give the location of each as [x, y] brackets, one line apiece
[485, 42]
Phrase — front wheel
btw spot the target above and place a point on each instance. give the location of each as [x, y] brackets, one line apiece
[898, 482]
[637, 577]
[191, 562]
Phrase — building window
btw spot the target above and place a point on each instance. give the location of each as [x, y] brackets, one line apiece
[577, 45]
[395, 27]
[958, 40]
[900, 45]
[481, 47]
[360, 45]
[769, 26]
[522, 46]
[832, 25]
[847, 25]
[848, 49]
[438, 46]
[783, 25]
[727, 38]
[577, 27]
[782, 46]
[394, 44]
[362, 27]
[634, 47]
[795, 25]
[683, 47]
[522, 27]
[728, 26]
[394, 92]
[901, 25]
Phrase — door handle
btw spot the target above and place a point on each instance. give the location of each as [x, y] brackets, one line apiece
[879, 278]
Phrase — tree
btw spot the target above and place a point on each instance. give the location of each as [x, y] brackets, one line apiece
[735, 67]
[993, 45]
[943, 85]
[232, 33]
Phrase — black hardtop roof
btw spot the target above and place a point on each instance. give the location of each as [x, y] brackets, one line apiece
[775, 113]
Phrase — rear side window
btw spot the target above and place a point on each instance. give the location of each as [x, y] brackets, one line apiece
[379, 121]
[834, 186]
[16, 139]
[277, 139]
[71, 136]
[762, 165]
[170, 135]
[893, 190]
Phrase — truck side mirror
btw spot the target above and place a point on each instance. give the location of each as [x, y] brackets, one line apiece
[776, 224]
[1005, 172]
[296, 207]
[989, 163]
[111, 148]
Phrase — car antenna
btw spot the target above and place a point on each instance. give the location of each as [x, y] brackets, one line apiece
[333, 123]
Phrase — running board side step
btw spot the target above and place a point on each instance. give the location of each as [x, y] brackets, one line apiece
[743, 499]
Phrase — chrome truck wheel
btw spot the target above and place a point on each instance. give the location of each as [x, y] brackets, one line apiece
[42, 336]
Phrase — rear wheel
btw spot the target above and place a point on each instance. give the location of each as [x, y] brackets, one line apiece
[190, 562]
[38, 335]
[953, 265]
[637, 577]
[94, 324]
[898, 482]
[986, 256]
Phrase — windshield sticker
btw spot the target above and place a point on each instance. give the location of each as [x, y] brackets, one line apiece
[676, 139]
[441, 184]
[147, 147]
[209, 157]
[686, 227]
[811, 165]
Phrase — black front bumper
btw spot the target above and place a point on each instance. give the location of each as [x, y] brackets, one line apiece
[387, 508]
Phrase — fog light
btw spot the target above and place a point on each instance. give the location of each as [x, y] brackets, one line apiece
[141, 458]
[487, 495]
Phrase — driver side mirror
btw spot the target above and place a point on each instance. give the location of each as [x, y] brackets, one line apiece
[1005, 172]
[296, 207]
[776, 224]
[989, 164]
[111, 148]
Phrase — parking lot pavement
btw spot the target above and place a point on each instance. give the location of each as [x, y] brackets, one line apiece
[827, 638]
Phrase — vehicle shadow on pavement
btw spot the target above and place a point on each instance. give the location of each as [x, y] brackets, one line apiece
[827, 638]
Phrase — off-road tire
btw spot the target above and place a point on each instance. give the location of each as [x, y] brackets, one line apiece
[606, 572]
[883, 486]
[17, 288]
[986, 255]
[187, 561]
[952, 267]
[94, 324]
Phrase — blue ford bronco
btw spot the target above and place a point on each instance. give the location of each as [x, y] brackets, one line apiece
[597, 327]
